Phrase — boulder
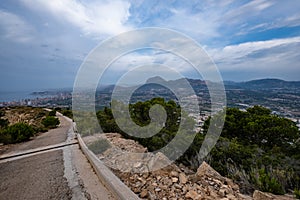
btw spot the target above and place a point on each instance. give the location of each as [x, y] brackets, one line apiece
[206, 170]
[258, 195]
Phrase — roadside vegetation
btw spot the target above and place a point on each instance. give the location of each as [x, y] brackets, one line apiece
[19, 124]
[257, 149]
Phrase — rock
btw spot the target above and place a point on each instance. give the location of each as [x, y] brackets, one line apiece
[158, 161]
[226, 189]
[213, 193]
[234, 186]
[142, 180]
[258, 195]
[137, 165]
[166, 181]
[192, 195]
[174, 174]
[171, 182]
[154, 184]
[174, 180]
[244, 197]
[151, 196]
[144, 193]
[231, 197]
[206, 170]
[158, 178]
[222, 192]
[177, 186]
[182, 178]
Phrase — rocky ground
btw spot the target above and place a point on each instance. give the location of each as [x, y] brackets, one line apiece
[145, 175]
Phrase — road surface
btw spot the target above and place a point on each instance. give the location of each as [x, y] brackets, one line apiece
[56, 173]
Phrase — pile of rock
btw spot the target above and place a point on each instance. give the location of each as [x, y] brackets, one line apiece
[171, 182]
[174, 183]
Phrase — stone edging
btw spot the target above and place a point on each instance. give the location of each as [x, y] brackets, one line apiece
[110, 180]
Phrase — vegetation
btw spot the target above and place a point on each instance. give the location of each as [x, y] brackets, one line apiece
[64, 111]
[140, 115]
[256, 149]
[19, 124]
[18, 132]
[67, 113]
[297, 193]
[52, 113]
[259, 150]
[50, 122]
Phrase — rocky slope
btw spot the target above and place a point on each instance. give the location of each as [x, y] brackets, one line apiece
[171, 182]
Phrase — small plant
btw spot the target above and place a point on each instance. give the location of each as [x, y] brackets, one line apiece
[52, 113]
[297, 193]
[99, 146]
[268, 183]
[50, 122]
[67, 113]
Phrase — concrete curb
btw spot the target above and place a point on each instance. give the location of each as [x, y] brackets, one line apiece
[111, 181]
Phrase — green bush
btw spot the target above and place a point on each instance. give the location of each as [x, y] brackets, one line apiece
[3, 123]
[67, 113]
[57, 109]
[99, 146]
[268, 183]
[5, 138]
[18, 132]
[52, 113]
[297, 193]
[50, 122]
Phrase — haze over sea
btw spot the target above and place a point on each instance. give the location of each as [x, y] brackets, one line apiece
[6, 96]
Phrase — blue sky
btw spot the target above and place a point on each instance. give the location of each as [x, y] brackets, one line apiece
[43, 43]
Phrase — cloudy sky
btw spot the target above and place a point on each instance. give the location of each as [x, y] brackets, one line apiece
[43, 43]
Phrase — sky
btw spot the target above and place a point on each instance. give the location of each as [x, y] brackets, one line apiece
[44, 43]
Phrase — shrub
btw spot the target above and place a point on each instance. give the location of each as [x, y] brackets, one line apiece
[50, 122]
[18, 132]
[3, 123]
[52, 113]
[297, 193]
[268, 183]
[67, 113]
[5, 138]
[57, 109]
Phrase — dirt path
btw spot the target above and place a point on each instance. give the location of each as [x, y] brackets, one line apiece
[60, 174]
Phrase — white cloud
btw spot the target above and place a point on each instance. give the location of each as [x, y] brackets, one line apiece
[278, 57]
[15, 28]
[202, 24]
[94, 18]
[246, 11]
[234, 53]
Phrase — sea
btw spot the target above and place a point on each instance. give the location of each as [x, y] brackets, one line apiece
[7, 96]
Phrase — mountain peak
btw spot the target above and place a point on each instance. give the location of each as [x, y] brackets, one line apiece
[155, 79]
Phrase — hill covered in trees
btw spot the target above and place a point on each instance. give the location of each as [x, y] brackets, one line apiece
[257, 149]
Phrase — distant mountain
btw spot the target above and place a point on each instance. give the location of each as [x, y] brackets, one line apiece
[270, 84]
[156, 79]
[200, 85]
